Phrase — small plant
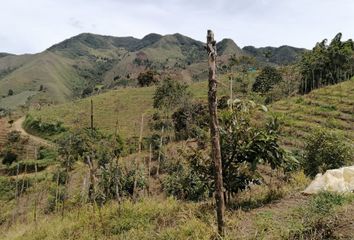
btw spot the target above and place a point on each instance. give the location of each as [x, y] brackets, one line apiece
[325, 150]
[318, 216]
[14, 136]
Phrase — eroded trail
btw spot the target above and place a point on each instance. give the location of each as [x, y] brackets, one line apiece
[17, 126]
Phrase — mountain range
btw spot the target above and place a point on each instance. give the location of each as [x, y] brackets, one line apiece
[90, 61]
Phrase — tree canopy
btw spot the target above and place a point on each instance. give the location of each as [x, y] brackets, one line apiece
[171, 94]
[268, 77]
[327, 64]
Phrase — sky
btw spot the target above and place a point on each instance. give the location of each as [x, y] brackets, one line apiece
[31, 26]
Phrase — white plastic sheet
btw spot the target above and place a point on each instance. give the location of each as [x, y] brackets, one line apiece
[336, 180]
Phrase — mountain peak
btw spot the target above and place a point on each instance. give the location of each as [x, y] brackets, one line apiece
[229, 47]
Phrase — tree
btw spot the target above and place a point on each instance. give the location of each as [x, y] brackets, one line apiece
[327, 64]
[10, 92]
[244, 146]
[170, 95]
[147, 78]
[265, 81]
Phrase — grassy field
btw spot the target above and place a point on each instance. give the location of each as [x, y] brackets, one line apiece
[124, 106]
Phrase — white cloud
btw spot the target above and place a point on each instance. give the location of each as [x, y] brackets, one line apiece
[32, 26]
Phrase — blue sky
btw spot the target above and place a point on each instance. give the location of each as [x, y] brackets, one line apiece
[30, 26]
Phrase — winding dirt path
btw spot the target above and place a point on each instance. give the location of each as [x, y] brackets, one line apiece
[17, 126]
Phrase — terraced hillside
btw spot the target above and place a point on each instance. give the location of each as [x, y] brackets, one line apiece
[330, 107]
[3, 132]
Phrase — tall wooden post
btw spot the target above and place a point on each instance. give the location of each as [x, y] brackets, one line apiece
[91, 115]
[214, 132]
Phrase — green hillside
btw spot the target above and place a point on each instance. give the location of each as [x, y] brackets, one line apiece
[54, 72]
[283, 55]
[89, 61]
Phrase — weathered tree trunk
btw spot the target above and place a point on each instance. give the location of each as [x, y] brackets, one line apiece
[149, 168]
[91, 115]
[214, 132]
[159, 156]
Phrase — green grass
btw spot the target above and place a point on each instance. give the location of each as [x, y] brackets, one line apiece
[154, 218]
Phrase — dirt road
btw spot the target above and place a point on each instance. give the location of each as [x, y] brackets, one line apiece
[17, 126]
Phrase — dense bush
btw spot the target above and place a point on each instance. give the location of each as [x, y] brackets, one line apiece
[7, 188]
[34, 124]
[147, 78]
[325, 150]
[14, 136]
[191, 121]
[28, 166]
[189, 178]
[47, 153]
[9, 157]
[108, 177]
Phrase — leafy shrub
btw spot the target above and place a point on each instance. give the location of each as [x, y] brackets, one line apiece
[60, 176]
[28, 166]
[325, 150]
[9, 157]
[56, 198]
[7, 188]
[189, 180]
[46, 153]
[10, 92]
[14, 136]
[191, 121]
